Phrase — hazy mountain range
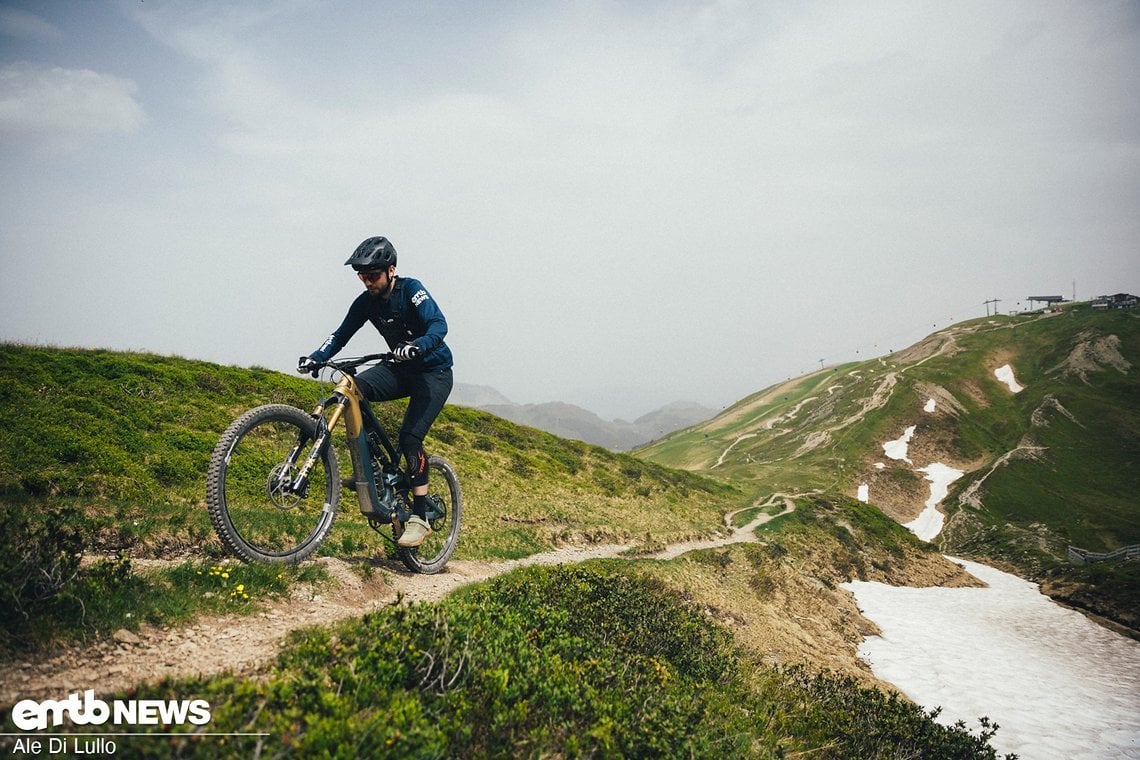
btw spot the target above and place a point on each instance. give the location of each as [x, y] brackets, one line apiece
[570, 421]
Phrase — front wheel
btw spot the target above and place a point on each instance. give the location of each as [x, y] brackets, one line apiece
[261, 508]
[445, 511]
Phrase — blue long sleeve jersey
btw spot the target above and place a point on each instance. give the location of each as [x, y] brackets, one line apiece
[408, 314]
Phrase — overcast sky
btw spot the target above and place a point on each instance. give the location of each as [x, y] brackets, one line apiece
[616, 204]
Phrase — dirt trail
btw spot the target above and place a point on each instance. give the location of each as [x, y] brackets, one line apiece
[241, 644]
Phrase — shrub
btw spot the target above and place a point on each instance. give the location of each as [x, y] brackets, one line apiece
[578, 661]
[39, 559]
[863, 722]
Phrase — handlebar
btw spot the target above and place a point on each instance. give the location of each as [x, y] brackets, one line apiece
[348, 365]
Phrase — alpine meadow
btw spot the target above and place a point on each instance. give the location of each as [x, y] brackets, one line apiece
[682, 600]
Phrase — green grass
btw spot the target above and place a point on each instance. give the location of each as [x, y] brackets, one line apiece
[51, 597]
[583, 661]
[120, 443]
[129, 437]
[103, 451]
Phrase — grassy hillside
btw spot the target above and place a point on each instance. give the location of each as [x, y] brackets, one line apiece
[129, 437]
[1045, 467]
[571, 661]
[698, 656]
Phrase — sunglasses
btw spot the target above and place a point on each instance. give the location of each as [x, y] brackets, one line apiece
[370, 277]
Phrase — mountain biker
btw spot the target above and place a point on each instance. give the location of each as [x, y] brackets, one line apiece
[413, 326]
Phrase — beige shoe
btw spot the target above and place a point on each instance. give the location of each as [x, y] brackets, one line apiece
[416, 530]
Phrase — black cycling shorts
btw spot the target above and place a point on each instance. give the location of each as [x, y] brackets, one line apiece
[426, 392]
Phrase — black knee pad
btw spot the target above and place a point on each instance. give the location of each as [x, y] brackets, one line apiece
[413, 448]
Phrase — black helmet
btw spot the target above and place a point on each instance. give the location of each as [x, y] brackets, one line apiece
[373, 253]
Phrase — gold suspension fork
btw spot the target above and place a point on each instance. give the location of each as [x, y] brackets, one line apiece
[324, 438]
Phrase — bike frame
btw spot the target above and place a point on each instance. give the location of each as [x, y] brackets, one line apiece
[349, 406]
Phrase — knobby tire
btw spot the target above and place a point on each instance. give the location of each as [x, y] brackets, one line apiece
[255, 521]
[431, 556]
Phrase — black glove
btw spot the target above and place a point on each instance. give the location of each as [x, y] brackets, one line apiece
[405, 352]
[307, 364]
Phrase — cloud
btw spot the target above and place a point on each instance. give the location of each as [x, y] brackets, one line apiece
[632, 178]
[62, 108]
[19, 24]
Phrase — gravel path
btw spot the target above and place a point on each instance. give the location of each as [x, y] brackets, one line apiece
[241, 644]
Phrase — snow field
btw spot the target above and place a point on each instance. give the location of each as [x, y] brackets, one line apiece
[1057, 684]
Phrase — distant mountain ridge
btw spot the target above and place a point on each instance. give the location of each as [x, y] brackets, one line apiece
[570, 421]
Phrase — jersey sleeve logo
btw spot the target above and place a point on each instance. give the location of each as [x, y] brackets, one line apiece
[420, 296]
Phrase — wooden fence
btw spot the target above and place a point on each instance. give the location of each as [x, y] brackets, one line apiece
[1080, 556]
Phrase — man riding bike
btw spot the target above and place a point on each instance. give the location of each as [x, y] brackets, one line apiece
[413, 326]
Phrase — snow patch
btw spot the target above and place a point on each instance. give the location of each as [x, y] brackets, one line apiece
[929, 408]
[1060, 685]
[864, 493]
[929, 524]
[1004, 373]
[897, 449]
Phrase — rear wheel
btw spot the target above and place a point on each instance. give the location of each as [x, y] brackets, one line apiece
[445, 511]
[259, 509]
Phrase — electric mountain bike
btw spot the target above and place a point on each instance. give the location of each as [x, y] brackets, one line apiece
[274, 482]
